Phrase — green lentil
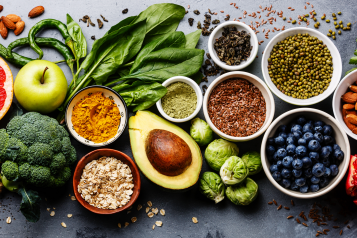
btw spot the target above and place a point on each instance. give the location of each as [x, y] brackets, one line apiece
[300, 66]
[314, 12]
[323, 17]
[341, 25]
[345, 28]
[305, 20]
[318, 23]
[306, 15]
[330, 31]
[333, 33]
[349, 24]
[335, 18]
[339, 13]
[328, 34]
[314, 19]
[334, 37]
[328, 21]
[316, 26]
[348, 28]
[293, 22]
[337, 26]
[333, 14]
[340, 22]
[284, 18]
[339, 32]
[335, 23]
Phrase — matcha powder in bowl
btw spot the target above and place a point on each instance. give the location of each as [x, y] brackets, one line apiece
[180, 100]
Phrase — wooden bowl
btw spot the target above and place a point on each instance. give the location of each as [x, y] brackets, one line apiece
[96, 154]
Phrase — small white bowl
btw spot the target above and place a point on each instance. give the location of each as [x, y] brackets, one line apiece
[339, 135]
[341, 89]
[336, 60]
[269, 102]
[218, 33]
[198, 92]
[107, 92]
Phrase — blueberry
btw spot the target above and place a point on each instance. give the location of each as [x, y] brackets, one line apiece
[314, 156]
[286, 173]
[293, 186]
[297, 164]
[290, 134]
[324, 182]
[273, 168]
[325, 152]
[270, 150]
[307, 128]
[300, 181]
[318, 170]
[328, 140]
[276, 176]
[279, 141]
[318, 129]
[286, 183]
[334, 169]
[275, 156]
[308, 136]
[290, 149]
[338, 154]
[297, 135]
[282, 128]
[270, 141]
[284, 135]
[281, 153]
[336, 147]
[326, 162]
[290, 140]
[287, 161]
[319, 137]
[329, 147]
[301, 120]
[327, 172]
[327, 130]
[302, 141]
[279, 163]
[296, 128]
[314, 180]
[314, 145]
[304, 189]
[308, 173]
[319, 123]
[306, 162]
[314, 187]
[297, 173]
[301, 150]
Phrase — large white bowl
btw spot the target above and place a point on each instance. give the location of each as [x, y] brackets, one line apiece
[218, 33]
[341, 89]
[269, 101]
[340, 137]
[336, 60]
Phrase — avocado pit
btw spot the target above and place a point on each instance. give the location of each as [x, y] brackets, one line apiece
[168, 153]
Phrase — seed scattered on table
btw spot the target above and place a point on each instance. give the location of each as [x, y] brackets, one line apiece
[8, 220]
[341, 232]
[153, 227]
[162, 212]
[292, 203]
[276, 204]
[270, 203]
[52, 213]
[286, 208]
[335, 227]
[158, 223]
[280, 206]
[194, 220]
[150, 214]
[298, 221]
[289, 217]
[73, 198]
[305, 224]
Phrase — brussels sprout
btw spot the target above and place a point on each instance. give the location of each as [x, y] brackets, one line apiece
[233, 171]
[253, 162]
[243, 193]
[201, 132]
[212, 186]
[218, 151]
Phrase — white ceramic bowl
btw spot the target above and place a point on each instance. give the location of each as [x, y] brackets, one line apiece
[341, 89]
[218, 33]
[269, 101]
[108, 92]
[198, 92]
[340, 137]
[336, 60]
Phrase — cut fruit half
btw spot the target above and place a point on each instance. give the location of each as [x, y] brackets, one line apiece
[6, 88]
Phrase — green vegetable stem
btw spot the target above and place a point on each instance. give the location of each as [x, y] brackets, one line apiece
[212, 186]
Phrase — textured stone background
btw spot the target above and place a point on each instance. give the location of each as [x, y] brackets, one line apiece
[215, 221]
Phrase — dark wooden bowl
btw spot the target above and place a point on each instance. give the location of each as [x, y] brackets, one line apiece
[96, 154]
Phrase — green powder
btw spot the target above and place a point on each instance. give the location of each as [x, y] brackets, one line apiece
[180, 100]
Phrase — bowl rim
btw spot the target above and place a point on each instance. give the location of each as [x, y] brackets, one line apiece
[253, 53]
[331, 186]
[230, 75]
[336, 111]
[291, 100]
[107, 211]
[103, 87]
[195, 87]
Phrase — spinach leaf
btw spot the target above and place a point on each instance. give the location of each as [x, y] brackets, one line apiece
[124, 71]
[197, 77]
[353, 60]
[127, 21]
[166, 63]
[175, 39]
[80, 43]
[30, 204]
[192, 39]
[140, 95]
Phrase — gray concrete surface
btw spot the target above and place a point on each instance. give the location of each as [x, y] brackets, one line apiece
[215, 221]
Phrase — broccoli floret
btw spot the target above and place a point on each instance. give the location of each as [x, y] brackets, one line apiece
[63, 131]
[72, 158]
[40, 154]
[16, 151]
[4, 141]
[32, 117]
[66, 146]
[10, 170]
[58, 162]
[62, 177]
[56, 145]
[40, 176]
[15, 125]
[25, 171]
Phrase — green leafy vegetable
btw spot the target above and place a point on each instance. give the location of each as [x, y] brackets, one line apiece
[201, 132]
[80, 43]
[253, 162]
[192, 39]
[197, 77]
[243, 193]
[212, 186]
[233, 171]
[353, 60]
[30, 204]
[218, 151]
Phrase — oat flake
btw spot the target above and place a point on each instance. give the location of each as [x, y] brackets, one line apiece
[52, 213]
[155, 211]
[73, 198]
[149, 203]
[48, 209]
[162, 212]
[8, 220]
[69, 215]
[63, 224]
[153, 227]
[126, 224]
[139, 207]
[194, 220]
[150, 214]
[158, 223]
[147, 209]
[133, 219]
[119, 225]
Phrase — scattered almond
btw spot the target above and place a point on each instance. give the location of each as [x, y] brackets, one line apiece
[14, 18]
[194, 220]
[63, 224]
[35, 12]
[158, 223]
[352, 118]
[69, 215]
[8, 23]
[162, 212]
[119, 225]
[348, 124]
[52, 213]
[348, 97]
[19, 27]
[8, 220]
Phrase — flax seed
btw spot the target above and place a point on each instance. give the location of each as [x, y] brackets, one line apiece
[301, 213]
[305, 224]
[276, 204]
[222, 11]
[341, 232]
[289, 217]
[298, 221]
[280, 206]
[348, 227]
[286, 208]
[324, 232]
[335, 227]
[317, 234]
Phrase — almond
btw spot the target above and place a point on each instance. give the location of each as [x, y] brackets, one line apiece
[35, 12]
[353, 112]
[356, 106]
[353, 88]
[355, 130]
[349, 125]
[14, 18]
[352, 119]
[1, 7]
[8, 23]
[19, 27]
[3, 30]
[348, 106]
[348, 97]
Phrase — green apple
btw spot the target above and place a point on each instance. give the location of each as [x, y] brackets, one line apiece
[40, 86]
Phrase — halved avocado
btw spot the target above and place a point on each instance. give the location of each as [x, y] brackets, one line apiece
[154, 144]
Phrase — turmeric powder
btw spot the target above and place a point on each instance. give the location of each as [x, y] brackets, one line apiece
[96, 118]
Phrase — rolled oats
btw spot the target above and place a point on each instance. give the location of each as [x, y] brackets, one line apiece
[48, 209]
[133, 219]
[126, 224]
[119, 225]
[194, 220]
[153, 227]
[147, 209]
[69, 215]
[52, 213]
[150, 214]
[139, 207]
[158, 223]
[155, 211]
[8, 220]
[63, 224]
[73, 198]
[162, 212]
[106, 183]
[149, 203]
